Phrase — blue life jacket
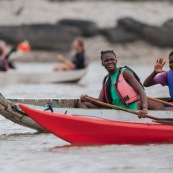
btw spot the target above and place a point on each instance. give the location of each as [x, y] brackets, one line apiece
[170, 82]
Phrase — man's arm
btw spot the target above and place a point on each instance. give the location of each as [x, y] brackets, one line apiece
[149, 81]
[101, 95]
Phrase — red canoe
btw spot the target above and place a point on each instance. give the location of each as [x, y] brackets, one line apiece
[85, 130]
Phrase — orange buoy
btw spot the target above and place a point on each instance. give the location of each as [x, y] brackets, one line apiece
[24, 46]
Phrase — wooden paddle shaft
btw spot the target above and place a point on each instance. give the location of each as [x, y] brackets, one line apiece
[160, 101]
[90, 99]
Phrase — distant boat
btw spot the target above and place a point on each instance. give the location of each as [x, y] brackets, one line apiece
[42, 75]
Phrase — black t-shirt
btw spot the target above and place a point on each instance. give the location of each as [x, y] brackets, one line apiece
[79, 60]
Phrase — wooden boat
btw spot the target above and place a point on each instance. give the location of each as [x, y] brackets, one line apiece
[87, 130]
[27, 75]
[10, 110]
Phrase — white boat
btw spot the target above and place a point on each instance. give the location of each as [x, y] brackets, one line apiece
[39, 73]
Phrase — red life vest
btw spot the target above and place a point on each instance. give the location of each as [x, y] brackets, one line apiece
[126, 93]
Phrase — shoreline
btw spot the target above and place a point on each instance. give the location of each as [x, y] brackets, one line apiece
[18, 12]
[129, 53]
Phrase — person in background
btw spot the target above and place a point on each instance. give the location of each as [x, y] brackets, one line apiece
[6, 54]
[78, 60]
[121, 88]
[160, 76]
[3, 53]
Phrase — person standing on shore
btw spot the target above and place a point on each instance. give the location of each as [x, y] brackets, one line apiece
[78, 60]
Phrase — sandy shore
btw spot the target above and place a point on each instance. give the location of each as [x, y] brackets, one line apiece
[104, 13]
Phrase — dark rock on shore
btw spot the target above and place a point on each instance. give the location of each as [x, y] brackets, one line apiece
[132, 25]
[160, 36]
[41, 36]
[59, 36]
[88, 28]
[168, 24]
[119, 35]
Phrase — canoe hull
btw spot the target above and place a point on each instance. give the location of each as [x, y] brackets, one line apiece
[16, 77]
[84, 130]
[11, 111]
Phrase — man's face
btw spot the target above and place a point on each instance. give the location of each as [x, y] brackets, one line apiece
[171, 62]
[109, 61]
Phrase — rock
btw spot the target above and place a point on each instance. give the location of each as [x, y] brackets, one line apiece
[132, 25]
[41, 36]
[118, 35]
[88, 28]
[159, 36]
[168, 24]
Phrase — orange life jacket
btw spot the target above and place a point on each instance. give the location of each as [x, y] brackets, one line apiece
[126, 93]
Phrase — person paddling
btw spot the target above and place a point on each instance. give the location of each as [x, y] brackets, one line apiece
[78, 60]
[6, 54]
[4, 65]
[121, 88]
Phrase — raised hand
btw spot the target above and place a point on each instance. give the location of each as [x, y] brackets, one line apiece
[159, 65]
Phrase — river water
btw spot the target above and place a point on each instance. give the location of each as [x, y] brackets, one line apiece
[23, 150]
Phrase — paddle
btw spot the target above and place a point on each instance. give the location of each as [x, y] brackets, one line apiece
[94, 101]
[160, 101]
